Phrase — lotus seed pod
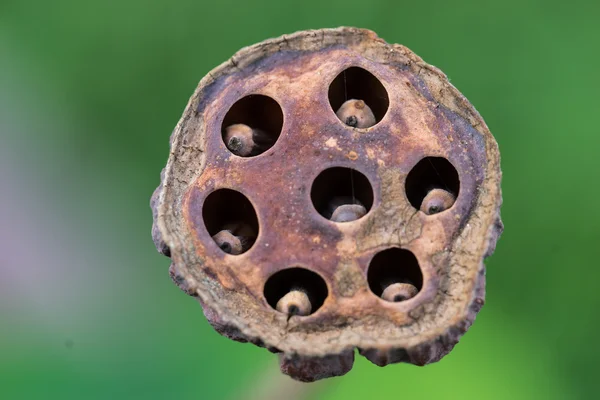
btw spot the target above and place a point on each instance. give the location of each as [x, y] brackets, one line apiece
[357, 114]
[296, 302]
[399, 292]
[436, 201]
[348, 213]
[305, 164]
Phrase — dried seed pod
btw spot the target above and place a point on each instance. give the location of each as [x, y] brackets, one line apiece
[434, 139]
[436, 201]
[399, 292]
[295, 302]
[357, 114]
[348, 212]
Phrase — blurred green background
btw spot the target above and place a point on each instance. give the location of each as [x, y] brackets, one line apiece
[89, 94]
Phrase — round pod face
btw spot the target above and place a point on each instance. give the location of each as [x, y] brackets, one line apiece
[331, 210]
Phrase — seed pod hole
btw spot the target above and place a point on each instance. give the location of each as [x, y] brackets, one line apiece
[252, 125]
[295, 291]
[230, 220]
[395, 275]
[358, 98]
[426, 176]
[342, 194]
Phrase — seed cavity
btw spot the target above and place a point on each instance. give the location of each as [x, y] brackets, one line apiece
[342, 194]
[296, 292]
[358, 98]
[252, 125]
[432, 185]
[231, 221]
[394, 275]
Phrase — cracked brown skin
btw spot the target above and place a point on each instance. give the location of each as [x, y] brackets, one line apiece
[427, 116]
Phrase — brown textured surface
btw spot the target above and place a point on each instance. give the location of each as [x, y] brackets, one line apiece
[427, 116]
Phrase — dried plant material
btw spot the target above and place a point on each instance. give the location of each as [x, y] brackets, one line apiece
[426, 135]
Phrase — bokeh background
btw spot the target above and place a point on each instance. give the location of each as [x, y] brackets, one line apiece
[89, 94]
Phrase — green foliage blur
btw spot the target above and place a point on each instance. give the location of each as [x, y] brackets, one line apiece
[89, 94]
